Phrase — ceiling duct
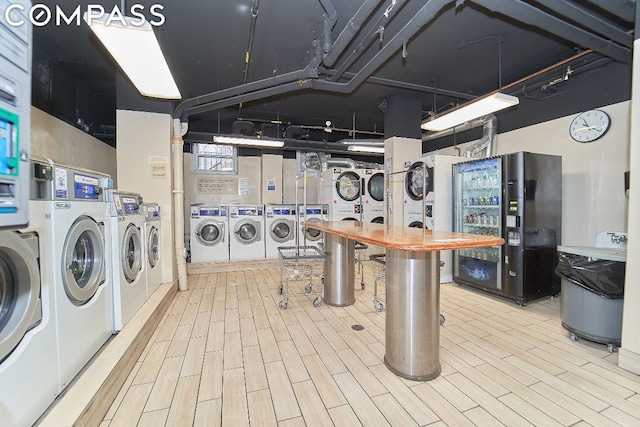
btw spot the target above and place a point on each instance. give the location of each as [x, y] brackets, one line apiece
[242, 127]
[484, 147]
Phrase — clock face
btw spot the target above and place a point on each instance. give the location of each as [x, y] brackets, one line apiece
[589, 126]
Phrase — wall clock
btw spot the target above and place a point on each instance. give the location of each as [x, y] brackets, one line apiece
[590, 126]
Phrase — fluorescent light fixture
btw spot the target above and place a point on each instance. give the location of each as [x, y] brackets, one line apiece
[134, 46]
[256, 142]
[366, 149]
[471, 110]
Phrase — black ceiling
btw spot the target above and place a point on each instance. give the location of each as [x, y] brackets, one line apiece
[446, 51]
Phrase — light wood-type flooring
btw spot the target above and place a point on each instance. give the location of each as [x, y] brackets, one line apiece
[225, 354]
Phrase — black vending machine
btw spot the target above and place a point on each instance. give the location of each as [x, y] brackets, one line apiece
[518, 197]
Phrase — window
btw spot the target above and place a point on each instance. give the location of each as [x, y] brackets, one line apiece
[215, 158]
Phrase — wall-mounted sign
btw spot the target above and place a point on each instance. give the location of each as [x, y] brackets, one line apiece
[243, 186]
[158, 171]
[221, 185]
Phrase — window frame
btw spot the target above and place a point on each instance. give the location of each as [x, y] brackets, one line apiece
[197, 153]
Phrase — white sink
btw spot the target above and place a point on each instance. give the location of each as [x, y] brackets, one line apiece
[611, 254]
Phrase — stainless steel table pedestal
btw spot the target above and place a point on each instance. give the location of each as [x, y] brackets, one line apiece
[339, 268]
[412, 347]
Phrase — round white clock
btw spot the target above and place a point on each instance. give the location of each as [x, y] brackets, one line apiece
[589, 126]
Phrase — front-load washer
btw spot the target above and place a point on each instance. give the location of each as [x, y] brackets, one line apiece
[280, 228]
[127, 243]
[83, 291]
[245, 232]
[29, 379]
[152, 252]
[310, 236]
[209, 239]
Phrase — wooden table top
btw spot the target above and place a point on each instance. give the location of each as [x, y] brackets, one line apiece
[404, 238]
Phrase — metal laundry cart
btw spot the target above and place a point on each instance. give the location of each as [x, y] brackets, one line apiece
[301, 263]
[360, 252]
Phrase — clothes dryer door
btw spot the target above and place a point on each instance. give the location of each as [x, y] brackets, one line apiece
[83, 260]
[375, 186]
[131, 253]
[153, 247]
[282, 230]
[247, 231]
[417, 177]
[210, 232]
[348, 186]
[20, 305]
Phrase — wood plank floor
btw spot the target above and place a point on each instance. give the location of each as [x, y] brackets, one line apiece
[225, 354]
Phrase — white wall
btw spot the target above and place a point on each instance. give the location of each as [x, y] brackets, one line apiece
[59, 141]
[592, 174]
[144, 167]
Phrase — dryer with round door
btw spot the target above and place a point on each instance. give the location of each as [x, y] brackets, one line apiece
[280, 228]
[345, 211]
[152, 253]
[209, 239]
[83, 291]
[418, 181]
[246, 232]
[127, 244]
[341, 186]
[373, 187]
[29, 380]
[311, 236]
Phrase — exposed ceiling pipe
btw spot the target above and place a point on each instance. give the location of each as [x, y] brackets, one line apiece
[624, 9]
[377, 28]
[330, 20]
[349, 31]
[528, 14]
[485, 145]
[247, 55]
[198, 105]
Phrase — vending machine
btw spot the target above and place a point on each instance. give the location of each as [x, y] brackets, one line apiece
[518, 197]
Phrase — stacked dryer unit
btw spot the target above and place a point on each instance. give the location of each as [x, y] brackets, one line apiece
[28, 345]
[152, 252]
[342, 191]
[280, 228]
[373, 196]
[209, 239]
[435, 199]
[83, 289]
[246, 224]
[127, 243]
[311, 236]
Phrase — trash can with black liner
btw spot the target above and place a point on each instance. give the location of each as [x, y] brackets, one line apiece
[592, 283]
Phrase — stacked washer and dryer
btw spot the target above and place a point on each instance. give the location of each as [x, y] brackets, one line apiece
[246, 224]
[280, 228]
[126, 242]
[373, 196]
[427, 199]
[209, 236]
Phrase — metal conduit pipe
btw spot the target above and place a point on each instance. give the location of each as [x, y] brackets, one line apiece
[368, 40]
[421, 18]
[179, 129]
[349, 31]
[252, 31]
[329, 22]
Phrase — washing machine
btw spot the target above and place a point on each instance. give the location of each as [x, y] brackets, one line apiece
[127, 244]
[246, 224]
[280, 228]
[311, 236]
[83, 289]
[29, 379]
[342, 186]
[152, 255]
[209, 239]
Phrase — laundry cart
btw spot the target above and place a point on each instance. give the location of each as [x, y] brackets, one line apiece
[301, 263]
[360, 253]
